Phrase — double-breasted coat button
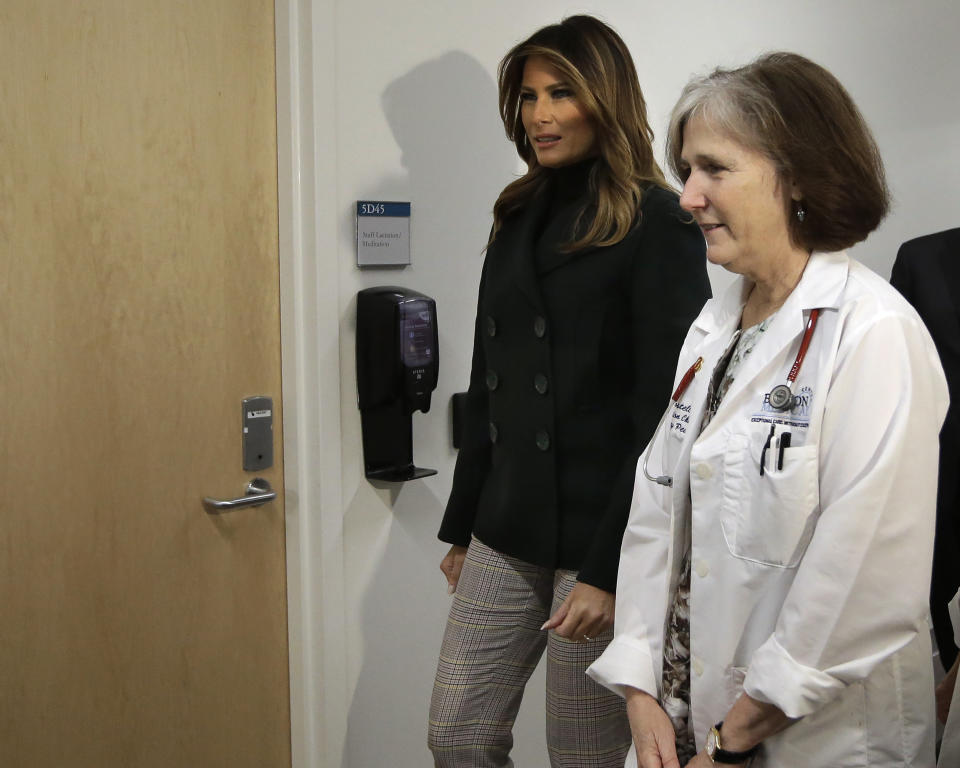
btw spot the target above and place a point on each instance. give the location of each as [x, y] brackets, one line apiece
[491, 326]
[494, 433]
[540, 326]
[543, 439]
[492, 380]
[540, 383]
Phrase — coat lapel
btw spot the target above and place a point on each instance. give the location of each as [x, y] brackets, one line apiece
[716, 323]
[550, 254]
[516, 240]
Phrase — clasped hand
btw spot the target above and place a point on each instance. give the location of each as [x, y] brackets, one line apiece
[653, 734]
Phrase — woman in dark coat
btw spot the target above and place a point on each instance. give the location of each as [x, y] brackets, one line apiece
[592, 275]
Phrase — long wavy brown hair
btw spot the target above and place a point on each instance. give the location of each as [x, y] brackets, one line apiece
[598, 68]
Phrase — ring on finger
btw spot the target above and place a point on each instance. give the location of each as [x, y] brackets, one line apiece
[587, 638]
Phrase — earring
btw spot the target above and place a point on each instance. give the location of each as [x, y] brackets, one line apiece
[801, 214]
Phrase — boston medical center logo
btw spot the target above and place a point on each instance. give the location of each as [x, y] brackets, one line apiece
[798, 415]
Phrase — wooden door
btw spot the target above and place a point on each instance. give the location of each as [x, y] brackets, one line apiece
[138, 306]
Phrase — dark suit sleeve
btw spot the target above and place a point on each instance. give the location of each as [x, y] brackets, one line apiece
[670, 286]
[900, 275]
[473, 461]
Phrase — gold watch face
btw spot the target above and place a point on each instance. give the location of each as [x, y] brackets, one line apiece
[712, 739]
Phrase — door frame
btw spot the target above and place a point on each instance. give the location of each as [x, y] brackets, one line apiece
[309, 337]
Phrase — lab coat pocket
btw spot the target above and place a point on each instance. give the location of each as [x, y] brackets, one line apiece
[769, 518]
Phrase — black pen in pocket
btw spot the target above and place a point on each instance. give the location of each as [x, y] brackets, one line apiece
[763, 453]
[783, 444]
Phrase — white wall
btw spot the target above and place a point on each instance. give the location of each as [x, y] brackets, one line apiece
[412, 115]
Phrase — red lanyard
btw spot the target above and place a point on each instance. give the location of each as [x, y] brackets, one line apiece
[804, 343]
[791, 377]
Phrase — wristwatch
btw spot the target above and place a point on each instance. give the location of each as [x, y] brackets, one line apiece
[720, 755]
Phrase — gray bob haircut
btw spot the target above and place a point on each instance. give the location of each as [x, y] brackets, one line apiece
[801, 118]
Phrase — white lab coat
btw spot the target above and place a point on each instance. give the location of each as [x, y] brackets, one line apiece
[809, 584]
[950, 746]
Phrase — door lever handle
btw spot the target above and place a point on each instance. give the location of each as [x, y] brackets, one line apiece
[258, 492]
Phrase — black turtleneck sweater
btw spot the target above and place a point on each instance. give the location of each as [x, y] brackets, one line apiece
[568, 195]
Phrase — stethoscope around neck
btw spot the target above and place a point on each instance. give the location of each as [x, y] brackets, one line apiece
[780, 398]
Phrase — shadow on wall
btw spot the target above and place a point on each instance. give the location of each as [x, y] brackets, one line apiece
[443, 115]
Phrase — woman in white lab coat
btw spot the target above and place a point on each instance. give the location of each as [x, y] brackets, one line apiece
[774, 573]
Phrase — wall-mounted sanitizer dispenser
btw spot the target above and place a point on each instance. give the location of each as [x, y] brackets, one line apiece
[397, 369]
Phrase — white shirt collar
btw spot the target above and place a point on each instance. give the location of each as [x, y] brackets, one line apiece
[820, 287]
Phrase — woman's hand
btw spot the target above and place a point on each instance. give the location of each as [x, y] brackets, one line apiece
[585, 613]
[748, 723]
[653, 734]
[451, 565]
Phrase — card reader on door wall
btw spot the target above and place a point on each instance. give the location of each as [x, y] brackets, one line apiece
[397, 369]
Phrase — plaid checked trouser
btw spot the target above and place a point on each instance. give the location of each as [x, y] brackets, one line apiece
[491, 646]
